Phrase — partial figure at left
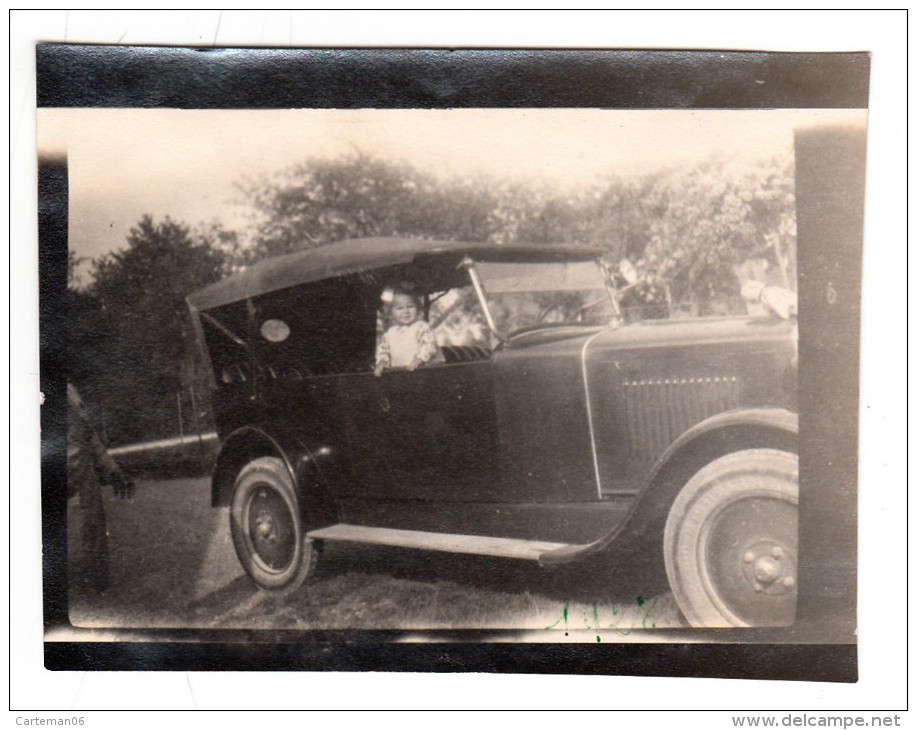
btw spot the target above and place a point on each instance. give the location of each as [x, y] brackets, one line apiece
[89, 465]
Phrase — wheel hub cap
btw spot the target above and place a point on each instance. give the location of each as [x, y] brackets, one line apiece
[769, 568]
[264, 527]
[271, 530]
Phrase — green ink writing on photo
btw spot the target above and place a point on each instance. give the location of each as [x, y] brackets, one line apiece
[647, 610]
[623, 622]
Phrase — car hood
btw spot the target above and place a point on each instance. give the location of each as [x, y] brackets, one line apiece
[676, 332]
[656, 333]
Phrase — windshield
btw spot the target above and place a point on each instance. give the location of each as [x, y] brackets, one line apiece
[521, 296]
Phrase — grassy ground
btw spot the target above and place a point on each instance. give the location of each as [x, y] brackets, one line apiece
[173, 566]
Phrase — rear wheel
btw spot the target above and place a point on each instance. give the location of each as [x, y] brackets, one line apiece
[267, 529]
[731, 541]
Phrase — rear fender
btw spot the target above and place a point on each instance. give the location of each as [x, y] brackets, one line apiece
[641, 531]
[249, 443]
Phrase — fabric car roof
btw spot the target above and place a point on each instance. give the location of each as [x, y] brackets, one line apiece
[344, 257]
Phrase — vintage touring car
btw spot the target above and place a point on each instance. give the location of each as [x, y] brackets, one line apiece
[552, 428]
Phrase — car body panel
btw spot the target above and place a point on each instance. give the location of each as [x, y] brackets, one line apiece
[545, 443]
[652, 382]
[554, 435]
[424, 435]
[641, 526]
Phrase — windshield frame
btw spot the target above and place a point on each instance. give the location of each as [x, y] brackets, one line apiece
[471, 266]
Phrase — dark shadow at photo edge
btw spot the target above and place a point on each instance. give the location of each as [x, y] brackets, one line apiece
[829, 192]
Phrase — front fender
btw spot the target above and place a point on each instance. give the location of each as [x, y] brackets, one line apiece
[641, 530]
[740, 425]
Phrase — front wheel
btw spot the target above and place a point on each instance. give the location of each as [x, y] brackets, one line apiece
[267, 529]
[731, 541]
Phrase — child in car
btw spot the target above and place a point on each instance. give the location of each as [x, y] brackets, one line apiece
[408, 342]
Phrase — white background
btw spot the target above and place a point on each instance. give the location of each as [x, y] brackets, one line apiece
[883, 515]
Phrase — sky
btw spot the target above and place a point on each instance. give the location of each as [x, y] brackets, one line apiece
[186, 164]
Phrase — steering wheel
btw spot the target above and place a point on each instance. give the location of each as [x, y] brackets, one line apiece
[589, 305]
[547, 310]
[579, 312]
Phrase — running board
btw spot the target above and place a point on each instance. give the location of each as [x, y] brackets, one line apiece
[499, 547]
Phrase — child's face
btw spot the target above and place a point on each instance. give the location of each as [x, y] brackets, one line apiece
[404, 310]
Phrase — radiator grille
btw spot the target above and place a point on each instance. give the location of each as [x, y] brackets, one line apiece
[658, 411]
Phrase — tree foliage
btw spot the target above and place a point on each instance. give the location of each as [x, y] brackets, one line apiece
[358, 196]
[131, 334]
[688, 231]
[711, 221]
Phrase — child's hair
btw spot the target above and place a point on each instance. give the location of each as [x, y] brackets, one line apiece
[402, 289]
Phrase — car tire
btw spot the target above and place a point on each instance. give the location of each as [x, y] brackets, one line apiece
[267, 529]
[731, 540]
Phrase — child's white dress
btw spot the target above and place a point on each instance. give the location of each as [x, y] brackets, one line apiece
[401, 343]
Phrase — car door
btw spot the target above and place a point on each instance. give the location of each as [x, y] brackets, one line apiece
[426, 435]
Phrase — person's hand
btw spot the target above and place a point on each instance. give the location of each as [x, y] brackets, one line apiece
[415, 363]
[377, 371]
[123, 486]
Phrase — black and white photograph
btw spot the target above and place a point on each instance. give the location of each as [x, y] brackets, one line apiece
[529, 370]
[451, 361]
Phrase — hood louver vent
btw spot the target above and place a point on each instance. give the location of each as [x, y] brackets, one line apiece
[658, 411]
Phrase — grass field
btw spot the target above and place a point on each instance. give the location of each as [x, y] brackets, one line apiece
[173, 566]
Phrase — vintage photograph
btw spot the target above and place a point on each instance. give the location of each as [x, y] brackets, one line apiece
[521, 374]
[445, 369]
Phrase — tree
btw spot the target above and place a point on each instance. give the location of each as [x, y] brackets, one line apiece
[686, 228]
[709, 220]
[321, 201]
[136, 343]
